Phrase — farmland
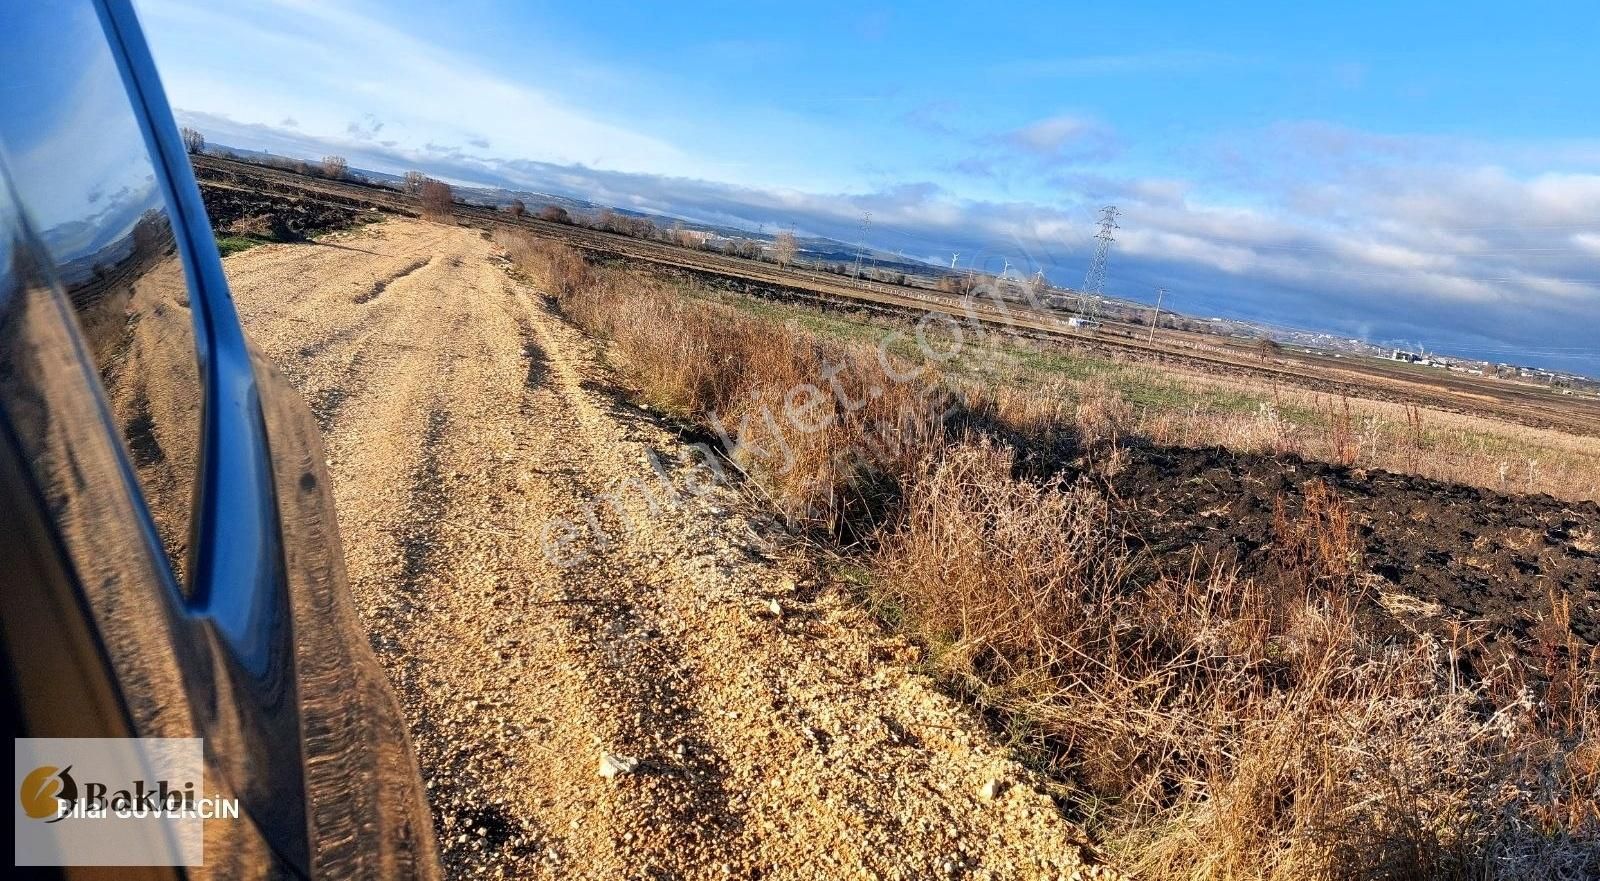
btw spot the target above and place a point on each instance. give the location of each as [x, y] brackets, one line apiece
[1272, 614]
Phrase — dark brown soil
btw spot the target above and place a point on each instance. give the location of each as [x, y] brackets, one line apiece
[1493, 562]
[272, 216]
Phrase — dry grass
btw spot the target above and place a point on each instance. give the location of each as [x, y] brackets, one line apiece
[813, 423]
[1404, 438]
[1185, 406]
[1231, 729]
[1214, 727]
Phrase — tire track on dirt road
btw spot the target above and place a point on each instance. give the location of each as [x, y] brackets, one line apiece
[464, 417]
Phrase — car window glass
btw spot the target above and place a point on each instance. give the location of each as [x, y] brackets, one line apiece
[89, 187]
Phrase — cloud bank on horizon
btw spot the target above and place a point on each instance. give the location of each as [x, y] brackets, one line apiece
[1399, 176]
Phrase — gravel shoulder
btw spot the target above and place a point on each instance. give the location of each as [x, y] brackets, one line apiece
[547, 588]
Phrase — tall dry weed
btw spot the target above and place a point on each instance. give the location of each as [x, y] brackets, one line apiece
[1217, 727]
[827, 431]
[1238, 729]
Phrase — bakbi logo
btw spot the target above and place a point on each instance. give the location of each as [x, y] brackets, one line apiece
[48, 793]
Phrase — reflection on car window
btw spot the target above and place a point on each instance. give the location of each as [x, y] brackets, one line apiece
[89, 188]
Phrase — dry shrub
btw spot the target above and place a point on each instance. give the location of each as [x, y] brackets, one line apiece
[822, 429]
[1416, 434]
[1235, 729]
[562, 267]
[1343, 436]
[555, 214]
[1221, 727]
[1319, 545]
[438, 200]
[980, 578]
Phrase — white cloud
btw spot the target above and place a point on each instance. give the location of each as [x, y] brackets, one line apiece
[1341, 224]
[338, 71]
[1062, 136]
[1588, 241]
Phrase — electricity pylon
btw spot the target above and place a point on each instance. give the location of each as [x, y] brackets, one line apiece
[1095, 281]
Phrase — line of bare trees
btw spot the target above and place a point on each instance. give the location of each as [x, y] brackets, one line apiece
[437, 199]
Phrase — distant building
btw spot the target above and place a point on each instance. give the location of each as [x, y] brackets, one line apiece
[1403, 355]
[1082, 323]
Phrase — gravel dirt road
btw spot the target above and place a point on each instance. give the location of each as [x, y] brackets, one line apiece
[757, 724]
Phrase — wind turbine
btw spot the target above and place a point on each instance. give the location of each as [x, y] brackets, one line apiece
[953, 259]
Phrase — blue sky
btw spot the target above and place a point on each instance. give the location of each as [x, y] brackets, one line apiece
[1428, 174]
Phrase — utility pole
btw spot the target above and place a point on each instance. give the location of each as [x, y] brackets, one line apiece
[1160, 292]
[1095, 281]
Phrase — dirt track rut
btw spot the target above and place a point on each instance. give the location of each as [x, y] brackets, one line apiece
[463, 417]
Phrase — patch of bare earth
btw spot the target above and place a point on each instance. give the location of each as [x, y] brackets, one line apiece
[759, 724]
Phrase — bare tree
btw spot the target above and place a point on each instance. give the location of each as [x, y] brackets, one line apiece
[640, 227]
[1266, 347]
[334, 167]
[414, 181]
[555, 214]
[193, 141]
[516, 208]
[1036, 287]
[686, 238]
[438, 200]
[784, 247]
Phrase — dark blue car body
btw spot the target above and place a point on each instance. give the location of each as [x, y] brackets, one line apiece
[170, 563]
